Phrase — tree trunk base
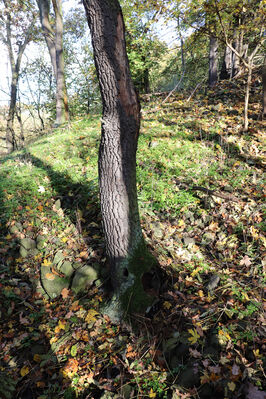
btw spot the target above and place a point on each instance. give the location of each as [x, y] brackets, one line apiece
[137, 288]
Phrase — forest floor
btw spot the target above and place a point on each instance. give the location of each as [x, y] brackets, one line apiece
[201, 197]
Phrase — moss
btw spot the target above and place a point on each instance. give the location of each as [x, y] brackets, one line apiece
[135, 299]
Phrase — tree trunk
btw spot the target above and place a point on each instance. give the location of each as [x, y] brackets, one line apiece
[226, 70]
[15, 70]
[10, 133]
[264, 89]
[62, 114]
[247, 98]
[54, 41]
[181, 46]
[213, 61]
[44, 9]
[128, 257]
[235, 59]
[146, 81]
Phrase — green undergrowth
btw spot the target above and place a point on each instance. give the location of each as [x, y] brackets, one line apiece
[200, 187]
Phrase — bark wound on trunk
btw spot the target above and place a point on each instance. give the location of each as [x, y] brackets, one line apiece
[126, 251]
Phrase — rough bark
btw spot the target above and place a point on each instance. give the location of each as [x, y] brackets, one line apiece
[15, 64]
[264, 89]
[128, 257]
[226, 69]
[48, 32]
[213, 61]
[54, 41]
[249, 78]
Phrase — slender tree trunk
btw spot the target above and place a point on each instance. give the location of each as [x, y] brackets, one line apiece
[247, 98]
[213, 61]
[226, 70]
[44, 9]
[54, 41]
[264, 89]
[62, 114]
[181, 46]
[15, 70]
[125, 247]
[10, 133]
[146, 81]
[235, 59]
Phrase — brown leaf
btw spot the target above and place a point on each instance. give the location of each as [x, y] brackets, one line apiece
[50, 276]
[64, 293]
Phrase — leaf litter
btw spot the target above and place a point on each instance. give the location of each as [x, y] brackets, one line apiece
[205, 334]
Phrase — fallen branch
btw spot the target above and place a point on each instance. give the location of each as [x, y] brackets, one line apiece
[214, 193]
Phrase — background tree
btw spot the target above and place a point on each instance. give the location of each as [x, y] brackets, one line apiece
[127, 254]
[17, 21]
[54, 39]
[144, 49]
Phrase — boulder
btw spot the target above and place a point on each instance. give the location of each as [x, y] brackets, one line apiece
[84, 277]
[67, 268]
[28, 243]
[53, 287]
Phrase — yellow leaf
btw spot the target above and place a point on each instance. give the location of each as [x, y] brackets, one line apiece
[8, 237]
[64, 239]
[201, 294]
[52, 340]
[152, 394]
[90, 316]
[46, 263]
[194, 336]
[167, 305]
[37, 358]
[62, 325]
[24, 371]
[231, 386]
[195, 271]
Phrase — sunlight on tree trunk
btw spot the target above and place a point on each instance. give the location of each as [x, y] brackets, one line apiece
[127, 254]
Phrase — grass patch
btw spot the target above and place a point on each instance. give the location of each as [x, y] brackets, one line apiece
[203, 336]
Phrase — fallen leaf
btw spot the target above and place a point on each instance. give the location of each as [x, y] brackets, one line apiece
[64, 293]
[232, 386]
[24, 371]
[254, 393]
[194, 336]
[50, 276]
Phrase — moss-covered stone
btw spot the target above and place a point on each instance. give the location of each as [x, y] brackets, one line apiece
[40, 242]
[54, 286]
[66, 268]
[84, 277]
[59, 256]
[23, 252]
[28, 243]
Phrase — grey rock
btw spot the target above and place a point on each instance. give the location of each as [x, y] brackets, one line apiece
[189, 241]
[40, 240]
[57, 204]
[17, 227]
[67, 269]
[28, 243]
[23, 252]
[53, 287]
[213, 282]
[33, 252]
[58, 257]
[84, 277]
